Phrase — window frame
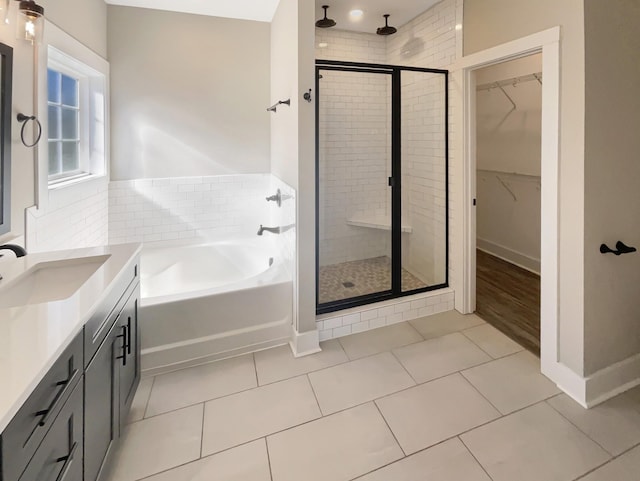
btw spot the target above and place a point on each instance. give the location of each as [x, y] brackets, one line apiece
[83, 126]
[92, 86]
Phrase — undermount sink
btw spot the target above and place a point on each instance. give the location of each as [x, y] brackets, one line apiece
[49, 281]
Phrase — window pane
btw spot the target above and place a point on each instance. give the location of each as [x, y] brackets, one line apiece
[70, 161]
[53, 86]
[69, 124]
[54, 122]
[69, 91]
[54, 156]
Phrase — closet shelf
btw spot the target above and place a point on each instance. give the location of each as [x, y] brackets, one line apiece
[372, 222]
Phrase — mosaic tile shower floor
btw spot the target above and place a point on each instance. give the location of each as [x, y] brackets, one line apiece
[358, 278]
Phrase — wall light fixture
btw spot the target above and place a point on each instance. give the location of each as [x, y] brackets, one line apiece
[30, 22]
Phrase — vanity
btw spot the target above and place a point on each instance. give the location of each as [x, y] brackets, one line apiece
[69, 361]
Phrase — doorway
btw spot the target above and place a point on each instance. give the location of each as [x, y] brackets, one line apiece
[382, 189]
[508, 120]
[547, 42]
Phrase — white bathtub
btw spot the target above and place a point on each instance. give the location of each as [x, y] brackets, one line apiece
[204, 302]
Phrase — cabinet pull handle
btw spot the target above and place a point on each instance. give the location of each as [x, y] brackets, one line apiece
[124, 345]
[129, 335]
[63, 388]
[67, 462]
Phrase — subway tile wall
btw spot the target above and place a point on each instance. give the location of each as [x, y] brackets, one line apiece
[70, 222]
[285, 217]
[382, 314]
[355, 130]
[201, 209]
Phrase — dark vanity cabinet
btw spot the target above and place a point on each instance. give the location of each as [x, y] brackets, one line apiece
[70, 424]
[111, 379]
[36, 433]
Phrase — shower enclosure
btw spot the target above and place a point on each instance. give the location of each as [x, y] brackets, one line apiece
[382, 182]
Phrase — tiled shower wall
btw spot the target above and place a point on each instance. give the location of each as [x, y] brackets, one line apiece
[427, 41]
[70, 221]
[354, 164]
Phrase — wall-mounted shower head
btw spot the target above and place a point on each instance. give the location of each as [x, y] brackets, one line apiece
[325, 22]
[386, 30]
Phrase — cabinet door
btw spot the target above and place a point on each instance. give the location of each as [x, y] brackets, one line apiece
[129, 356]
[101, 404]
[59, 456]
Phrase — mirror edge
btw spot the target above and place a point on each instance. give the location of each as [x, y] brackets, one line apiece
[6, 106]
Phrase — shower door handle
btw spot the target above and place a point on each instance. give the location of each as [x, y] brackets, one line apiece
[392, 182]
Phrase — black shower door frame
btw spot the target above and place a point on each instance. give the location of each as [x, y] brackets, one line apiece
[395, 182]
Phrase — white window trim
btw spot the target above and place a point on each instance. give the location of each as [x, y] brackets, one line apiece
[91, 64]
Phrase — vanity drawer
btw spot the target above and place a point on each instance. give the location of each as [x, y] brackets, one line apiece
[26, 430]
[99, 325]
[59, 457]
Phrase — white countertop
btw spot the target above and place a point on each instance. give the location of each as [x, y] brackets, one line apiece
[32, 337]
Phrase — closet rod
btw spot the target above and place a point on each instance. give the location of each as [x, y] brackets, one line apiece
[511, 82]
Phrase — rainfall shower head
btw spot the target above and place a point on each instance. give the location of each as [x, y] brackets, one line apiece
[386, 30]
[325, 22]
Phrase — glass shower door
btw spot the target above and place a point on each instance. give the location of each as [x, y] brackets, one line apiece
[354, 197]
[424, 180]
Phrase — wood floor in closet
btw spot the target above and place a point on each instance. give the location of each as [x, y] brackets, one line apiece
[508, 298]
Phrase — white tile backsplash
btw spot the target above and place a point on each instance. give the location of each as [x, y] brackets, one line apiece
[204, 209]
[70, 221]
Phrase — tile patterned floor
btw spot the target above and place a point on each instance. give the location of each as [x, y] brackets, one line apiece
[442, 398]
[362, 277]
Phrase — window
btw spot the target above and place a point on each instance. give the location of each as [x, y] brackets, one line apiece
[76, 120]
[64, 125]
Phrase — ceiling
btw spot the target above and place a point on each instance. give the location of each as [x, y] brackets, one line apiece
[401, 11]
[260, 10]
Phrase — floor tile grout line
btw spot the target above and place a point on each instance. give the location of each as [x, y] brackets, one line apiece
[390, 430]
[404, 367]
[204, 411]
[215, 399]
[481, 394]
[146, 405]
[576, 426]
[485, 351]
[255, 368]
[342, 345]
[266, 445]
[607, 462]
[315, 395]
[474, 457]
[195, 460]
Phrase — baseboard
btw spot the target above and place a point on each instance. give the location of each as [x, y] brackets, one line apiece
[597, 388]
[303, 344]
[613, 380]
[517, 258]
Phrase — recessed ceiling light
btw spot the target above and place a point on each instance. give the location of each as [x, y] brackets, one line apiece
[357, 13]
[323, 45]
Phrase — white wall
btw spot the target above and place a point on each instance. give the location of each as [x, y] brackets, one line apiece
[190, 94]
[488, 23]
[612, 180]
[293, 143]
[86, 20]
[508, 162]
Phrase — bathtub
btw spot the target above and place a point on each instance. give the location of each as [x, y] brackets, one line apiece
[209, 301]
